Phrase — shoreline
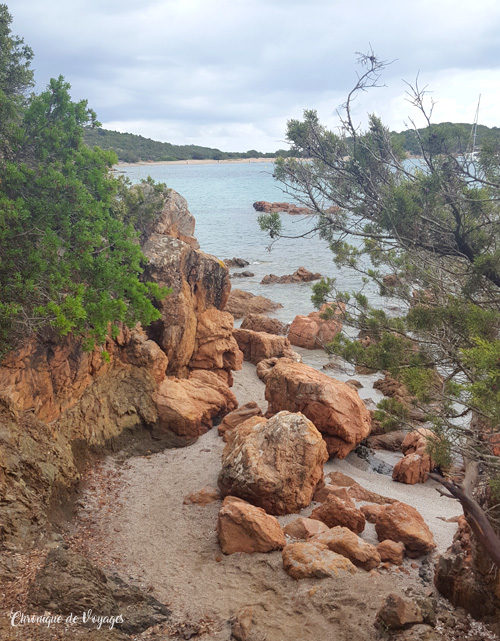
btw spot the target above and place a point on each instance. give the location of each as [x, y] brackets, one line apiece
[205, 161]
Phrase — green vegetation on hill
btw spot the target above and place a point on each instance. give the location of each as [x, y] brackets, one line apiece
[445, 137]
[134, 148]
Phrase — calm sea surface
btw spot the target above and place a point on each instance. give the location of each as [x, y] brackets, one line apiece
[220, 196]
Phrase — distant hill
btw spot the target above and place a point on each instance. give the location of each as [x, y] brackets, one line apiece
[447, 136]
[134, 148]
[454, 137]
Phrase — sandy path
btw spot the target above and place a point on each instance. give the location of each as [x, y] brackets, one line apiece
[171, 549]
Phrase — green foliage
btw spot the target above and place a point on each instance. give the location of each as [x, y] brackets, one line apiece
[270, 223]
[69, 255]
[134, 148]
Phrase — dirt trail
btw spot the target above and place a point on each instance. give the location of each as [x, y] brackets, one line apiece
[140, 527]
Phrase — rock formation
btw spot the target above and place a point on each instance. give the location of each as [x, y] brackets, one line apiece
[300, 275]
[241, 303]
[242, 527]
[258, 346]
[334, 407]
[262, 323]
[313, 331]
[275, 464]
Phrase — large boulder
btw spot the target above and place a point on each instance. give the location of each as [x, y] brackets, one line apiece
[314, 331]
[215, 346]
[241, 303]
[263, 323]
[334, 407]
[301, 275]
[242, 527]
[402, 522]
[336, 511]
[343, 541]
[306, 560]
[189, 407]
[238, 416]
[258, 346]
[275, 464]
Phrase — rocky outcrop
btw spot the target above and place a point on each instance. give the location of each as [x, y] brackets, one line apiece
[463, 575]
[261, 323]
[258, 346]
[189, 407]
[334, 407]
[237, 417]
[215, 346]
[242, 527]
[315, 330]
[300, 275]
[198, 282]
[67, 583]
[173, 219]
[401, 522]
[240, 304]
[289, 208]
[335, 511]
[314, 561]
[343, 541]
[275, 464]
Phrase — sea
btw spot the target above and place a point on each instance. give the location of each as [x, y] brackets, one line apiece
[221, 197]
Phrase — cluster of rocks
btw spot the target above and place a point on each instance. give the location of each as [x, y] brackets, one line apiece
[300, 275]
[274, 467]
[288, 208]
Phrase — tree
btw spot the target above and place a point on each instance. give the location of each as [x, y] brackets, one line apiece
[69, 261]
[426, 232]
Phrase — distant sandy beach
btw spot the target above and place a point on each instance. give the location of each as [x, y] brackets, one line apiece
[207, 161]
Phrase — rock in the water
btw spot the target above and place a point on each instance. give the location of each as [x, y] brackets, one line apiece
[236, 262]
[343, 541]
[245, 274]
[402, 522]
[313, 331]
[188, 407]
[303, 528]
[301, 275]
[391, 551]
[242, 527]
[240, 304]
[262, 323]
[238, 416]
[315, 561]
[276, 464]
[69, 583]
[334, 511]
[333, 407]
[398, 612]
[203, 497]
[257, 346]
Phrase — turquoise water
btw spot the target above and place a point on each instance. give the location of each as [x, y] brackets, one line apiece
[220, 196]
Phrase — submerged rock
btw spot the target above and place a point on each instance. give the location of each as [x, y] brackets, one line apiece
[276, 464]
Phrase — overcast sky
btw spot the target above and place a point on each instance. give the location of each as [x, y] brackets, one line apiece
[230, 73]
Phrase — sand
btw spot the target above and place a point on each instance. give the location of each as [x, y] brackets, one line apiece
[143, 530]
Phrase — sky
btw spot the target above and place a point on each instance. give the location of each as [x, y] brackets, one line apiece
[231, 73]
